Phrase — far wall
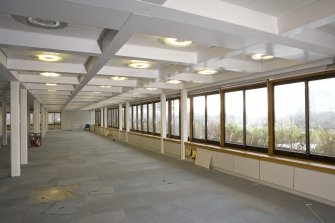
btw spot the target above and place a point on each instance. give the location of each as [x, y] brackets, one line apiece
[75, 120]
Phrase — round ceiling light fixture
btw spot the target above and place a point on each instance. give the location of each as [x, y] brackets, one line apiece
[207, 71]
[50, 84]
[40, 23]
[177, 42]
[105, 86]
[137, 64]
[49, 74]
[49, 57]
[151, 88]
[118, 78]
[260, 56]
[173, 81]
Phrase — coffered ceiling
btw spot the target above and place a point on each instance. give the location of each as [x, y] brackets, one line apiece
[229, 42]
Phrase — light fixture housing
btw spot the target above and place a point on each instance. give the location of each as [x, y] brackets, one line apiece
[260, 56]
[105, 86]
[177, 42]
[52, 90]
[151, 88]
[118, 78]
[40, 23]
[207, 71]
[49, 57]
[96, 92]
[51, 84]
[173, 81]
[139, 64]
[50, 74]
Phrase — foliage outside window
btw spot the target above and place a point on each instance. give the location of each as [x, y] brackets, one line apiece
[150, 117]
[304, 119]
[246, 119]
[206, 118]
[146, 118]
[54, 118]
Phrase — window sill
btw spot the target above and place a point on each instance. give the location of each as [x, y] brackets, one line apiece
[311, 165]
[145, 135]
[172, 140]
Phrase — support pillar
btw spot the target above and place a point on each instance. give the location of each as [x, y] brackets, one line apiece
[120, 120]
[4, 122]
[15, 128]
[42, 121]
[36, 118]
[24, 126]
[105, 117]
[102, 117]
[93, 115]
[183, 122]
[127, 120]
[163, 121]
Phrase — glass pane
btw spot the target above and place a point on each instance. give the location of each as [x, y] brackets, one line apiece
[145, 118]
[188, 117]
[51, 118]
[57, 118]
[139, 118]
[7, 118]
[213, 117]
[158, 117]
[150, 120]
[234, 117]
[167, 116]
[289, 102]
[256, 117]
[122, 118]
[322, 117]
[31, 119]
[134, 118]
[199, 117]
[175, 117]
[116, 122]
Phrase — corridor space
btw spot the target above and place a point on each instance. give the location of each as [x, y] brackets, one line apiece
[109, 181]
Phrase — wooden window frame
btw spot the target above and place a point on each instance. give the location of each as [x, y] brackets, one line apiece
[169, 128]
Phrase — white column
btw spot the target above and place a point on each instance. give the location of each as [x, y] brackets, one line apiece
[163, 121]
[24, 126]
[183, 122]
[105, 117]
[36, 115]
[120, 120]
[4, 124]
[127, 120]
[47, 120]
[93, 117]
[15, 128]
[102, 117]
[91, 112]
[42, 121]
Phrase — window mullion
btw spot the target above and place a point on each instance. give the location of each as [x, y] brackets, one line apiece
[244, 121]
[307, 118]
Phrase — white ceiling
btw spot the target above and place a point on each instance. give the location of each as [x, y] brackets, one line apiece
[102, 37]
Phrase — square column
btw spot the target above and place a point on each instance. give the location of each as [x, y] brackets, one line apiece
[183, 122]
[163, 121]
[46, 120]
[15, 128]
[102, 117]
[4, 123]
[105, 117]
[42, 121]
[127, 120]
[120, 120]
[24, 126]
[36, 118]
[93, 117]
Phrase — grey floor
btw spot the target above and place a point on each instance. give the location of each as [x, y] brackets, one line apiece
[120, 183]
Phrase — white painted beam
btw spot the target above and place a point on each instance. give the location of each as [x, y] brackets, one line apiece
[108, 82]
[128, 72]
[41, 79]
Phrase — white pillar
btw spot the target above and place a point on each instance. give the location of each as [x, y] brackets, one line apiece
[36, 116]
[15, 128]
[93, 117]
[120, 120]
[4, 123]
[102, 117]
[92, 122]
[163, 121]
[47, 120]
[42, 121]
[127, 120]
[183, 122]
[24, 126]
[105, 117]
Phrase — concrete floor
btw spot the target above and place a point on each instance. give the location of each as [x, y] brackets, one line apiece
[120, 183]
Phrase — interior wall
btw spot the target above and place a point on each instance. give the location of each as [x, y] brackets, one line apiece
[75, 120]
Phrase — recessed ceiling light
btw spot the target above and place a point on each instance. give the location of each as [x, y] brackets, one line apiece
[50, 74]
[173, 81]
[52, 90]
[40, 23]
[49, 57]
[177, 42]
[96, 92]
[118, 78]
[151, 88]
[105, 86]
[260, 56]
[50, 84]
[207, 71]
[139, 64]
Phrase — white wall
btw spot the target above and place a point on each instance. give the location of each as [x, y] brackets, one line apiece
[73, 120]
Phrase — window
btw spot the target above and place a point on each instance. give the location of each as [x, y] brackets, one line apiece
[150, 117]
[98, 117]
[31, 118]
[134, 117]
[173, 117]
[123, 119]
[115, 117]
[109, 117]
[139, 118]
[304, 124]
[246, 119]
[54, 118]
[206, 118]
[158, 117]
[145, 118]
